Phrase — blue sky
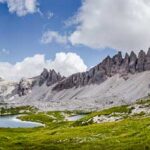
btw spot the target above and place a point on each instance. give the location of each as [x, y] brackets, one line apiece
[21, 35]
[68, 35]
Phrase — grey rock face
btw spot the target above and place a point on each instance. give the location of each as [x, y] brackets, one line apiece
[133, 61]
[24, 87]
[50, 77]
[107, 68]
[117, 59]
[147, 61]
[96, 75]
[43, 77]
[53, 77]
[99, 76]
[112, 65]
[47, 77]
[107, 65]
[125, 65]
[141, 61]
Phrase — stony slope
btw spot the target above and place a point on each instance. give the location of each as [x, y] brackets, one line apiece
[7, 90]
[112, 92]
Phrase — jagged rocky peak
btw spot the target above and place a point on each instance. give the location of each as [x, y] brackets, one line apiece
[24, 86]
[147, 61]
[44, 76]
[53, 77]
[117, 59]
[49, 77]
[133, 62]
[125, 64]
[107, 68]
[126, 59]
[141, 61]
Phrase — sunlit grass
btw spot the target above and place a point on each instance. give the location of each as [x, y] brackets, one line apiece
[131, 133]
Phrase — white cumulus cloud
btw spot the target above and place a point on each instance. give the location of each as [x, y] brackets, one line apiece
[53, 36]
[21, 7]
[65, 63]
[68, 63]
[119, 24]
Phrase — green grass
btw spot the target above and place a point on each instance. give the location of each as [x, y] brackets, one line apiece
[129, 134]
[132, 133]
[143, 101]
[124, 110]
[52, 119]
[17, 110]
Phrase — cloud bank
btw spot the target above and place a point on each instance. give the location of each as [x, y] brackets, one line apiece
[53, 36]
[119, 24]
[21, 7]
[65, 63]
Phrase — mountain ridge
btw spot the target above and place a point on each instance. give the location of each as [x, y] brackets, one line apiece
[107, 68]
[115, 81]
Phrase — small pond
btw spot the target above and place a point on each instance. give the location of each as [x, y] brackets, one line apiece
[74, 118]
[13, 122]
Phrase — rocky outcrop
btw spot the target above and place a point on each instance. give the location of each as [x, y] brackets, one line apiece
[107, 68]
[132, 63]
[49, 77]
[141, 61]
[96, 75]
[147, 61]
[24, 87]
[46, 77]
[124, 69]
[53, 77]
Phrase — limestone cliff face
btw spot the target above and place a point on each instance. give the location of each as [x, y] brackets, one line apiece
[130, 64]
[107, 68]
[46, 77]
[49, 77]
[24, 87]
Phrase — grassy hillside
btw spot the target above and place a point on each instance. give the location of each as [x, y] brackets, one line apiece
[132, 132]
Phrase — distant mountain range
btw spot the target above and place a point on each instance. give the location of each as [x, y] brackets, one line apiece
[115, 81]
